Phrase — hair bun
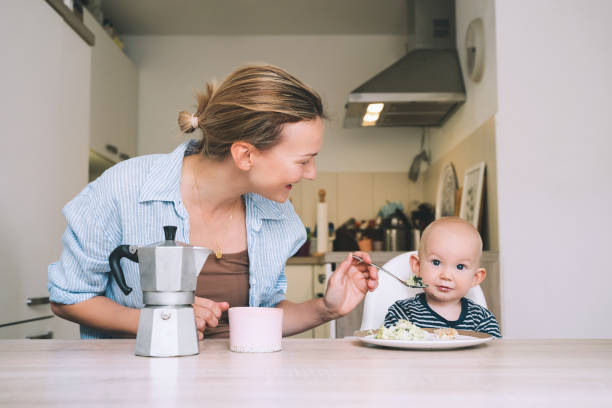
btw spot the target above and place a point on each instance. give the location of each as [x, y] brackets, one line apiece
[187, 122]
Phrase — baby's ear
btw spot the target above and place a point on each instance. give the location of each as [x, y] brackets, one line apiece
[415, 264]
[479, 276]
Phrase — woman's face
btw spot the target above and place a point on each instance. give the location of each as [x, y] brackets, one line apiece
[275, 171]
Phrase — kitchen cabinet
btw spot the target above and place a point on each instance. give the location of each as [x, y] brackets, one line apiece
[305, 282]
[114, 97]
[45, 125]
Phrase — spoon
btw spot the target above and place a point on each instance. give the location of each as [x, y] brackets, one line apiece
[414, 282]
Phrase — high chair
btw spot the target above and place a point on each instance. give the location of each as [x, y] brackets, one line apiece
[389, 290]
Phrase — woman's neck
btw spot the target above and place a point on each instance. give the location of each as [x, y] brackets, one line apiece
[213, 186]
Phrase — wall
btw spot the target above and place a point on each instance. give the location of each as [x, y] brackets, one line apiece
[554, 132]
[468, 137]
[172, 68]
[354, 194]
[477, 147]
[481, 102]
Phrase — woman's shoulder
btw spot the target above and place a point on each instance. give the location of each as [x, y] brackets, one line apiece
[138, 173]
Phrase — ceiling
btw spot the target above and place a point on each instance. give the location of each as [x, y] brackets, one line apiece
[257, 17]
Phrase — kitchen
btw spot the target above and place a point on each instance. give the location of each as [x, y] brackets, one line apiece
[525, 130]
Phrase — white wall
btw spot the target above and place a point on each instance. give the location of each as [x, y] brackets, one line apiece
[554, 131]
[172, 68]
[481, 103]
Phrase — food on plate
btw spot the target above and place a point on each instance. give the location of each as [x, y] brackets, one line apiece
[402, 330]
[446, 333]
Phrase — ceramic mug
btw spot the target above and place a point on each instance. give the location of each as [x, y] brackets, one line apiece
[255, 329]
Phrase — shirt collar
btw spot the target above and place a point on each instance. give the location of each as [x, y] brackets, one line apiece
[267, 209]
[164, 179]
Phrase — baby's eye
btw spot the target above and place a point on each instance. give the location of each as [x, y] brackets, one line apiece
[461, 267]
[436, 262]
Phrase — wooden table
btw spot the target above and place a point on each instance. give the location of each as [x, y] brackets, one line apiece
[307, 373]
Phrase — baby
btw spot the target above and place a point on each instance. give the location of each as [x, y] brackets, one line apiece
[449, 262]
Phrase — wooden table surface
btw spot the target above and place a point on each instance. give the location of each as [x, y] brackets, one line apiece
[307, 373]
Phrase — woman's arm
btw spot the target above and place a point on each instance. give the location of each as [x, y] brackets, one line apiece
[299, 317]
[346, 288]
[101, 313]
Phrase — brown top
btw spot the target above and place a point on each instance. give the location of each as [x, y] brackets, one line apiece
[224, 280]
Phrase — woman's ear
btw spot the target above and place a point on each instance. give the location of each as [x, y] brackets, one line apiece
[242, 154]
[415, 264]
[479, 276]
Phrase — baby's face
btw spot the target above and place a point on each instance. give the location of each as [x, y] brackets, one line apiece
[449, 262]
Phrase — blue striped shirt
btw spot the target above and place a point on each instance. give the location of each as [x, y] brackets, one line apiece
[473, 316]
[129, 204]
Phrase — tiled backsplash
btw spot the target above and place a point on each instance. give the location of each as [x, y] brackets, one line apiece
[358, 195]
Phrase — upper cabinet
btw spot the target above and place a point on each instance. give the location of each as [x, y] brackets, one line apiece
[114, 97]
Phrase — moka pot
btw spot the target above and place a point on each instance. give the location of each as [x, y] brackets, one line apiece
[168, 277]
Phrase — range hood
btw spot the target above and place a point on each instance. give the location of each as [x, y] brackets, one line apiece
[424, 87]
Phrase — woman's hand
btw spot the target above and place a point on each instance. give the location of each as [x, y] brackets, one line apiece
[207, 313]
[349, 284]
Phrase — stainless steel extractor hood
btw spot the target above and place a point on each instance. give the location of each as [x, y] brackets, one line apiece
[424, 87]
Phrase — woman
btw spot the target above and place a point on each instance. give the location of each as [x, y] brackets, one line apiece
[261, 129]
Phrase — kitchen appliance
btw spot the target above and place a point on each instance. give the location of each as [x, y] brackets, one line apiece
[168, 277]
[395, 229]
[425, 86]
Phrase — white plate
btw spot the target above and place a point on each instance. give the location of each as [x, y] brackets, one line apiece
[464, 339]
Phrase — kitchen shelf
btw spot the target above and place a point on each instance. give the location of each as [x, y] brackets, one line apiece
[73, 21]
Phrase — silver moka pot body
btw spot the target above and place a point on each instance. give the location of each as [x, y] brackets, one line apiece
[168, 277]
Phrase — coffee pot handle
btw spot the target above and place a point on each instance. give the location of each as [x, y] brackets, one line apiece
[122, 251]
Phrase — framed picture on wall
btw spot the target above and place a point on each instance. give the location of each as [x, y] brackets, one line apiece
[447, 189]
[471, 196]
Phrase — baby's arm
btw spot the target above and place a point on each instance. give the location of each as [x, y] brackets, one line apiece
[489, 325]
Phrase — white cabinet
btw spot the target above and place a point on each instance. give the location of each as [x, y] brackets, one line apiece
[114, 97]
[305, 282]
[44, 128]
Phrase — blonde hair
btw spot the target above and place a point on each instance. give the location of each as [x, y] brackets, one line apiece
[252, 104]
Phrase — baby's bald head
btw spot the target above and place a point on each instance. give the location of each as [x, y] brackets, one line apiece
[443, 228]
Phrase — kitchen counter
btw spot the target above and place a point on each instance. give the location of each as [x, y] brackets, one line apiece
[339, 373]
[306, 260]
[378, 257]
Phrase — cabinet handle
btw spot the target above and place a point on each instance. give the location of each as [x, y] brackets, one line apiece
[124, 156]
[37, 301]
[319, 295]
[321, 278]
[47, 335]
[111, 148]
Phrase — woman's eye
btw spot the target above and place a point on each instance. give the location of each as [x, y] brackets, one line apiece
[436, 262]
[461, 267]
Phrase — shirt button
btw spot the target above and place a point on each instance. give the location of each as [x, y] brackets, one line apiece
[253, 281]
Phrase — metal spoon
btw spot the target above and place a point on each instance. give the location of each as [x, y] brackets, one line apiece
[413, 284]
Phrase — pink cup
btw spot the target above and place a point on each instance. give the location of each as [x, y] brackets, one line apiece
[255, 329]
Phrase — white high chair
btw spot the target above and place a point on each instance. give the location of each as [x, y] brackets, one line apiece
[389, 290]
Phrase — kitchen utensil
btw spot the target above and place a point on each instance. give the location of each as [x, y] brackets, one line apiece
[168, 277]
[406, 283]
[422, 157]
